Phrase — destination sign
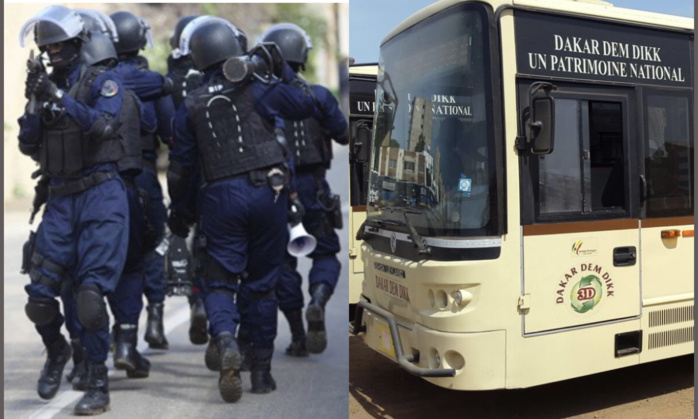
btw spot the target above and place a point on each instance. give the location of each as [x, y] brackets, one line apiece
[362, 97]
[583, 49]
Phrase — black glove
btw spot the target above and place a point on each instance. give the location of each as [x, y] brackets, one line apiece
[178, 224]
[277, 60]
[31, 83]
[296, 211]
[45, 89]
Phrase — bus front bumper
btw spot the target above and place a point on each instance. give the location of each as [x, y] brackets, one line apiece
[463, 361]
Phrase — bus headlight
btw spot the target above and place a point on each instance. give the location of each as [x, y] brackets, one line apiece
[462, 298]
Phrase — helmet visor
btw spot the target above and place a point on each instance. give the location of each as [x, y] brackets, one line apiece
[66, 24]
[104, 22]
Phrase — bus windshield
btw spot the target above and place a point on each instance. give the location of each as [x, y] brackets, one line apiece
[432, 150]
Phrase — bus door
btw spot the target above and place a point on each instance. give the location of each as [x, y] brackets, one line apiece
[580, 222]
[667, 223]
[361, 105]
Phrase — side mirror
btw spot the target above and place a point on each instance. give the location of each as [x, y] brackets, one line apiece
[541, 128]
[360, 141]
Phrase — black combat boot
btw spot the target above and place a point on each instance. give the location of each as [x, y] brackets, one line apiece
[126, 356]
[96, 398]
[229, 383]
[212, 356]
[295, 322]
[316, 341]
[78, 375]
[155, 331]
[197, 327]
[58, 354]
[245, 350]
[262, 381]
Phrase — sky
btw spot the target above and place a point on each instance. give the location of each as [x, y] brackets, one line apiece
[371, 20]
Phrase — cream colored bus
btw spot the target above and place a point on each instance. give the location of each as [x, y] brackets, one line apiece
[531, 193]
[362, 91]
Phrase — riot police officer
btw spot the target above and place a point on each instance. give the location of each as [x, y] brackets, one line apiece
[154, 91]
[311, 142]
[185, 79]
[99, 51]
[242, 208]
[69, 128]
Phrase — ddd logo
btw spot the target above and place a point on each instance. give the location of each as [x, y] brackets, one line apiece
[586, 294]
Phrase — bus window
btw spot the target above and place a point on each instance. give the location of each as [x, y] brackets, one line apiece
[668, 156]
[586, 173]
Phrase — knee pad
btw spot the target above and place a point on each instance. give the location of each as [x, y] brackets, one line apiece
[92, 312]
[41, 311]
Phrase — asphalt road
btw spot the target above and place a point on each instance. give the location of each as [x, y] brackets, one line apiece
[179, 385]
[379, 388]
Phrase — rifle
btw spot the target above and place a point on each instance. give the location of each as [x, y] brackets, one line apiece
[34, 66]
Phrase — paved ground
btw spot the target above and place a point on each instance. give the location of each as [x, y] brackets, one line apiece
[179, 386]
[378, 388]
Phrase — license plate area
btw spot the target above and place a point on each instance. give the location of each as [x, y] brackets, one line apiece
[385, 340]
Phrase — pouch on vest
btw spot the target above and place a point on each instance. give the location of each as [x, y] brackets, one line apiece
[62, 153]
[27, 251]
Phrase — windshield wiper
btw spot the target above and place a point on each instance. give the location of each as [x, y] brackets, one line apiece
[423, 248]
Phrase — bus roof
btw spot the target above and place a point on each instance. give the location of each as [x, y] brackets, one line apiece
[590, 8]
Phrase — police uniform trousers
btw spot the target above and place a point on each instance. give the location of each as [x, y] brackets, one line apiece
[326, 266]
[244, 229]
[126, 303]
[86, 234]
[156, 214]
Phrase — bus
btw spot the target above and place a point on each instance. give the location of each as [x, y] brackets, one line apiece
[556, 140]
[362, 87]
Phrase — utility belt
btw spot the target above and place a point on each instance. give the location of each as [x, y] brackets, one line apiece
[330, 203]
[277, 177]
[82, 184]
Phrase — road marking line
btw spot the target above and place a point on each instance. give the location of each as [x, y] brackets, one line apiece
[67, 397]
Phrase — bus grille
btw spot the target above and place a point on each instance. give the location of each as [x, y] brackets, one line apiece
[670, 337]
[671, 316]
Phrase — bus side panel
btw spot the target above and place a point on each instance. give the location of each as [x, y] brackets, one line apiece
[560, 356]
[667, 330]
[664, 259]
[572, 280]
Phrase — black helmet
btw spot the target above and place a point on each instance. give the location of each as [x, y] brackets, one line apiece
[191, 27]
[213, 43]
[52, 25]
[134, 32]
[177, 32]
[291, 39]
[98, 49]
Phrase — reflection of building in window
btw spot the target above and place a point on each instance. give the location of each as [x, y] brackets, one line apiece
[404, 165]
[420, 124]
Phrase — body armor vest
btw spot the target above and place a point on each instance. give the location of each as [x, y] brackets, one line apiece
[185, 79]
[65, 149]
[233, 139]
[130, 135]
[309, 143]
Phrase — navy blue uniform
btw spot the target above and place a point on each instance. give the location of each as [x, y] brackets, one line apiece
[148, 86]
[311, 186]
[85, 234]
[242, 223]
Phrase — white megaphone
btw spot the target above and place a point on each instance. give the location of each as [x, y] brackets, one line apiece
[300, 243]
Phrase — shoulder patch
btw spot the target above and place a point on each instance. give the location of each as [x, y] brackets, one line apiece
[109, 88]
